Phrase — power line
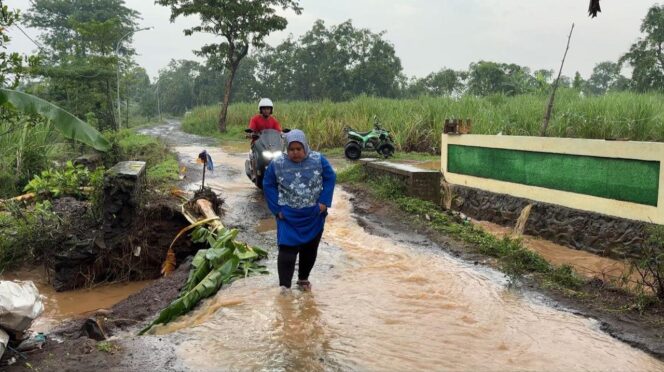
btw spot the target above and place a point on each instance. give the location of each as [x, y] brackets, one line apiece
[28, 36]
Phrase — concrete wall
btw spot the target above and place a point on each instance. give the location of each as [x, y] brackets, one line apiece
[628, 186]
[420, 183]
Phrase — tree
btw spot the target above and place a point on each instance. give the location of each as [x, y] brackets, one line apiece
[242, 23]
[337, 63]
[445, 82]
[486, 78]
[543, 78]
[177, 85]
[606, 76]
[79, 61]
[13, 102]
[646, 56]
[578, 82]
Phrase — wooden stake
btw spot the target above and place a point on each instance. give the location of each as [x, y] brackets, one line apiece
[549, 107]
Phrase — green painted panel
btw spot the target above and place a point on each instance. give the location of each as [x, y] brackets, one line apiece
[629, 180]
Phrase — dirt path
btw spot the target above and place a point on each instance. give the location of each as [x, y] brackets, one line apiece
[385, 298]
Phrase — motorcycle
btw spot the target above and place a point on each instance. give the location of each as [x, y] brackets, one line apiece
[268, 144]
[378, 139]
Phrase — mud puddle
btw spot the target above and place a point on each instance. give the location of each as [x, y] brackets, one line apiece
[391, 302]
[585, 263]
[428, 165]
[60, 306]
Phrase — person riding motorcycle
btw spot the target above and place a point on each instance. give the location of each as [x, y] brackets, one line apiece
[266, 141]
[264, 119]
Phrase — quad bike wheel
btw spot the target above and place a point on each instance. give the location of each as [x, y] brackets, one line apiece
[386, 150]
[353, 150]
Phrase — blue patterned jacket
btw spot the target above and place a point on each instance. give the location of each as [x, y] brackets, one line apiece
[295, 190]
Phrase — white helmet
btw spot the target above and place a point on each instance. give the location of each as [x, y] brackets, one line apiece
[265, 102]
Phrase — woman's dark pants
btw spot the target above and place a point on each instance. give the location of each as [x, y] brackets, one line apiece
[288, 255]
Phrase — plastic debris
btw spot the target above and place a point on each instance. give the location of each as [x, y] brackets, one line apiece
[20, 304]
[4, 340]
[32, 343]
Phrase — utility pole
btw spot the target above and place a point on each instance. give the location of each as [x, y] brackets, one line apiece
[549, 107]
[117, 71]
[158, 102]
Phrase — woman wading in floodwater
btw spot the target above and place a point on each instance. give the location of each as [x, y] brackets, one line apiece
[298, 187]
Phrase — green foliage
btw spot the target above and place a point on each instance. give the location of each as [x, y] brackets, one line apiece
[69, 125]
[336, 63]
[406, 156]
[351, 173]
[578, 83]
[68, 181]
[387, 187]
[222, 262]
[240, 24]
[164, 172]
[515, 260]
[126, 144]
[485, 78]
[106, 347]
[26, 144]
[650, 266]
[565, 277]
[606, 77]
[79, 60]
[416, 124]
[445, 82]
[26, 233]
[28, 125]
[646, 55]
[11, 64]
[162, 165]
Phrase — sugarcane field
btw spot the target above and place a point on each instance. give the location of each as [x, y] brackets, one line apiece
[290, 185]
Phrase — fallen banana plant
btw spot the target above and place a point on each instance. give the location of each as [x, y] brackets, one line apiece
[222, 262]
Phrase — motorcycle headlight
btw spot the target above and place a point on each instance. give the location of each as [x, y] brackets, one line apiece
[267, 154]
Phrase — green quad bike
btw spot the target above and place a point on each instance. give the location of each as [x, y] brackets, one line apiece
[377, 139]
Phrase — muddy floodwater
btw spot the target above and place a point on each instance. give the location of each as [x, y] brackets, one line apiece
[59, 306]
[381, 300]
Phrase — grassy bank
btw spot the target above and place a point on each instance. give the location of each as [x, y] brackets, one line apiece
[162, 165]
[27, 146]
[514, 259]
[608, 301]
[417, 123]
[27, 231]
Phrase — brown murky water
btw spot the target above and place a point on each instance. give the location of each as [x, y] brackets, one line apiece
[382, 304]
[59, 306]
[236, 147]
[585, 263]
[429, 165]
[265, 225]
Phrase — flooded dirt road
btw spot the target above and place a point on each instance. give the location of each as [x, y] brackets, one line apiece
[381, 300]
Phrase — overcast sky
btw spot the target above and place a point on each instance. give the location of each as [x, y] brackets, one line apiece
[427, 34]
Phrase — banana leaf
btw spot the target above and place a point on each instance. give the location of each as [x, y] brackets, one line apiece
[69, 125]
[260, 252]
[218, 256]
[206, 288]
[224, 238]
[211, 268]
[199, 270]
[244, 252]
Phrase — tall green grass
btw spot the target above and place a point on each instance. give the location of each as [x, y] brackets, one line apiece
[26, 148]
[416, 124]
